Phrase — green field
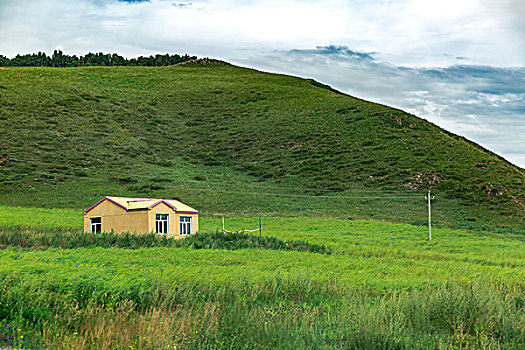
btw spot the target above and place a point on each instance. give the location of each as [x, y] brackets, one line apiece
[393, 253]
[382, 286]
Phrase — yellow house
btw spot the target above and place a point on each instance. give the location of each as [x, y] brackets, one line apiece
[120, 214]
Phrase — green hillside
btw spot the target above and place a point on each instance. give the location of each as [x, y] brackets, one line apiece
[235, 141]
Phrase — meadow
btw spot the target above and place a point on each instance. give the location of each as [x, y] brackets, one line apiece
[380, 285]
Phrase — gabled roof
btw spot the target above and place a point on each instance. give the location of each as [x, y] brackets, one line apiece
[145, 203]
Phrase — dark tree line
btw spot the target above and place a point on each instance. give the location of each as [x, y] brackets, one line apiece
[59, 59]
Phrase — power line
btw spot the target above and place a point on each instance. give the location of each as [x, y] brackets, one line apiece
[305, 195]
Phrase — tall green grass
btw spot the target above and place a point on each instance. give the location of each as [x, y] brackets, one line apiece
[44, 238]
[286, 312]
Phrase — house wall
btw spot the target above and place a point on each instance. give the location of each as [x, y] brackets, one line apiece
[174, 221]
[162, 208]
[140, 221]
[118, 219]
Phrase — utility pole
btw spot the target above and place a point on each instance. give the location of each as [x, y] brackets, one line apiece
[429, 198]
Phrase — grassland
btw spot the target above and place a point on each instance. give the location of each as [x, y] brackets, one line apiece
[382, 286]
[239, 142]
[325, 171]
[376, 253]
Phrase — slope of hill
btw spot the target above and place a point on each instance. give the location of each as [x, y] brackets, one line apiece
[229, 140]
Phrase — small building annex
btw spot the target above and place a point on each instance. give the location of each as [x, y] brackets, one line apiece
[140, 215]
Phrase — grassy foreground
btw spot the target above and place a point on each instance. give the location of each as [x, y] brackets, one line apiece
[382, 286]
[285, 312]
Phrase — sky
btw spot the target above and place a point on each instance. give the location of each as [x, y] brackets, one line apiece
[459, 64]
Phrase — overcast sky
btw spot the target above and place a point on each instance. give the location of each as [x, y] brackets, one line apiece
[457, 63]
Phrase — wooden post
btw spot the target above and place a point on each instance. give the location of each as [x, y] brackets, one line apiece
[223, 224]
[260, 226]
[429, 220]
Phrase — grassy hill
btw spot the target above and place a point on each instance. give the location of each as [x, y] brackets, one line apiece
[235, 141]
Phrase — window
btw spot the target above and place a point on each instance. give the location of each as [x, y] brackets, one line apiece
[162, 223]
[185, 225]
[95, 225]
